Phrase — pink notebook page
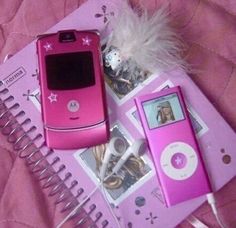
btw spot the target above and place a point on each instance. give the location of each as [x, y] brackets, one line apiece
[137, 202]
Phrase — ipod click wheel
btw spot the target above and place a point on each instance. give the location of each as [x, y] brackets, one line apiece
[179, 161]
[173, 146]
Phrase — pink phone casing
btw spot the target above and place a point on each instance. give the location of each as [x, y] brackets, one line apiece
[175, 151]
[73, 118]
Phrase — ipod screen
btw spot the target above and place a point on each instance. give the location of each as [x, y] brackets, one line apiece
[163, 111]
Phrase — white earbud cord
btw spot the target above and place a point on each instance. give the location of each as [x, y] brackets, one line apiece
[212, 202]
[195, 222]
[110, 208]
[134, 148]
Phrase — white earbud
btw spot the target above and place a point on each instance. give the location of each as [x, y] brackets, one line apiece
[137, 148]
[117, 146]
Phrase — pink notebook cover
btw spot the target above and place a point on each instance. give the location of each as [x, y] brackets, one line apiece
[136, 198]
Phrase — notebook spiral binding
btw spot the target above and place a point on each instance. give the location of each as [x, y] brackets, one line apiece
[45, 172]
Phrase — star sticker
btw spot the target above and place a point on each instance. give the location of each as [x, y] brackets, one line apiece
[52, 97]
[48, 46]
[86, 41]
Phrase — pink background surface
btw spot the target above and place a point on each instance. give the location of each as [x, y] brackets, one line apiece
[208, 27]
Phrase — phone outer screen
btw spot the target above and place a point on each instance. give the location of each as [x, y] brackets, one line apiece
[67, 71]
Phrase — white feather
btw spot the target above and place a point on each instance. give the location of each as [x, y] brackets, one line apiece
[147, 41]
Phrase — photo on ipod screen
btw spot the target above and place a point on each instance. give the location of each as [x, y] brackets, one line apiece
[163, 111]
[199, 126]
[132, 175]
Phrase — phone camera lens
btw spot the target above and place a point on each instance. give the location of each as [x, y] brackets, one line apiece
[67, 37]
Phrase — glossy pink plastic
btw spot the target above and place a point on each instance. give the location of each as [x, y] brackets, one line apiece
[175, 152]
[73, 118]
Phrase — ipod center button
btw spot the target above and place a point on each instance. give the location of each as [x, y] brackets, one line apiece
[73, 106]
[178, 160]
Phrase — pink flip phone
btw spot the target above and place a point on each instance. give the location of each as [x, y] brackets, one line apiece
[73, 97]
[173, 145]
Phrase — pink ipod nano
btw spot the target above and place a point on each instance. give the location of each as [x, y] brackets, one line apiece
[173, 145]
[73, 97]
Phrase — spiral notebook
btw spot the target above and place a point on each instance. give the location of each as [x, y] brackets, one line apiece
[71, 175]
